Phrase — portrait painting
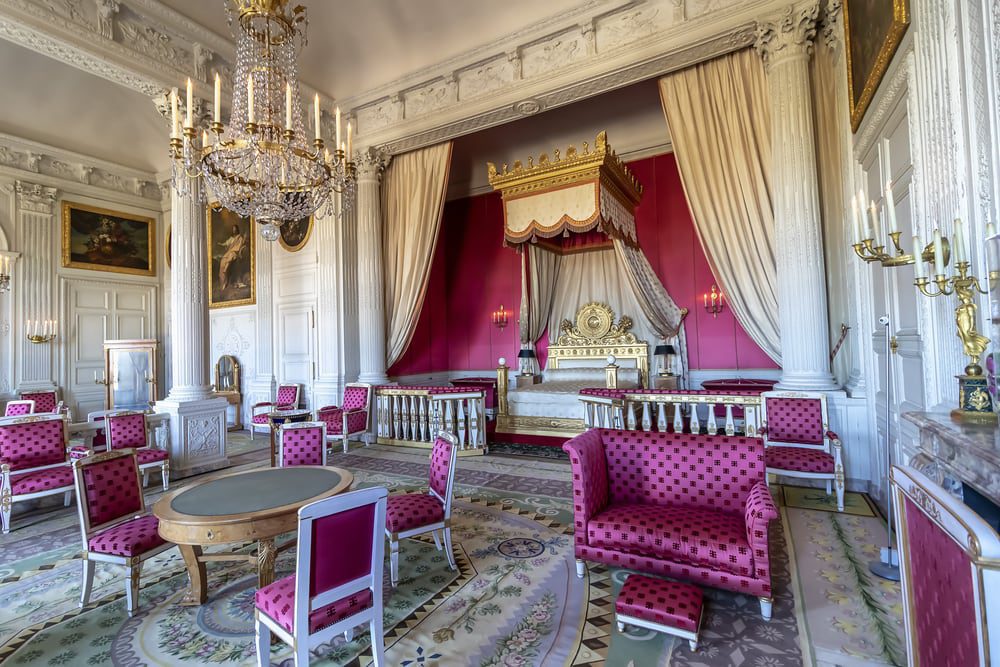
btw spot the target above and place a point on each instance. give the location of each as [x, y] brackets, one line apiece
[101, 240]
[295, 233]
[231, 279]
[874, 29]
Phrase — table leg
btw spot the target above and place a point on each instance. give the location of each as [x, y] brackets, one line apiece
[266, 553]
[272, 444]
[198, 593]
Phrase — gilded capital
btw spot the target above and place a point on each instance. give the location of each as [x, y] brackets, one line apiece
[788, 34]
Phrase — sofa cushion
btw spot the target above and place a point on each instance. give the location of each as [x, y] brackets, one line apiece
[59, 477]
[695, 535]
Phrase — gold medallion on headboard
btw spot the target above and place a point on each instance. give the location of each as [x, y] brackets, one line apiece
[596, 336]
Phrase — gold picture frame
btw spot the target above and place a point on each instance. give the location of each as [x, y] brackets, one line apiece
[292, 237]
[873, 31]
[166, 247]
[232, 279]
[99, 239]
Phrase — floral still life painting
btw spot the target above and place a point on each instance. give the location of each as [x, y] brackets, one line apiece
[101, 240]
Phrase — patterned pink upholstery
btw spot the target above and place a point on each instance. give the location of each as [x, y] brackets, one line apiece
[288, 396]
[334, 418]
[799, 459]
[440, 463]
[278, 601]
[682, 505]
[32, 444]
[131, 538]
[412, 510]
[260, 419]
[146, 456]
[59, 477]
[79, 452]
[111, 488]
[45, 401]
[694, 535]
[16, 409]
[668, 603]
[355, 397]
[944, 608]
[794, 420]
[302, 446]
[127, 431]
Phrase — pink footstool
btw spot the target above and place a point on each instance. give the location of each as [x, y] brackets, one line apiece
[663, 606]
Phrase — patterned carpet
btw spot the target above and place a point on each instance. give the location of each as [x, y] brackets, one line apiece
[514, 601]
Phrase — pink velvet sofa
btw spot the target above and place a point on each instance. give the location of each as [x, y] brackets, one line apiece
[692, 507]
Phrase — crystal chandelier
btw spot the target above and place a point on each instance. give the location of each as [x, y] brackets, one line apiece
[263, 165]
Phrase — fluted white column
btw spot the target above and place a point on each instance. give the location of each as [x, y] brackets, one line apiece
[261, 386]
[36, 224]
[371, 277]
[785, 43]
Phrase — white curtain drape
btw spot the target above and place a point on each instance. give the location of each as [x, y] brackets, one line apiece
[539, 275]
[718, 114]
[413, 194]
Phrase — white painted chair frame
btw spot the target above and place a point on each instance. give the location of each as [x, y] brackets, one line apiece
[131, 563]
[304, 605]
[283, 428]
[835, 481]
[271, 406]
[163, 465]
[441, 530]
[7, 497]
[345, 435]
[20, 401]
[691, 637]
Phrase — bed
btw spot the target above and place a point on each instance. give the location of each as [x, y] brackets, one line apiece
[579, 359]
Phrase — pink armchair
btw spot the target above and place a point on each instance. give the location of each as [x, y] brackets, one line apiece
[128, 430]
[798, 440]
[301, 444]
[287, 399]
[45, 401]
[689, 506]
[33, 461]
[19, 408]
[349, 419]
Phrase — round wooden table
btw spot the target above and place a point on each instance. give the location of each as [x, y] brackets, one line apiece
[254, 505]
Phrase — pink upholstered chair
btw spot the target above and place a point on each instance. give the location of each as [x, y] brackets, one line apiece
[33, 461]
[113, 520]
[949, 559]
[798, 439]
[128, 430]
[412, 514]
[350, 418]
[287, 399]
[301, 444]
[333, 589]
[45, 401]
[19, 408]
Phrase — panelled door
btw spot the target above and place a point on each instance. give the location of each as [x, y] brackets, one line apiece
[296, 344]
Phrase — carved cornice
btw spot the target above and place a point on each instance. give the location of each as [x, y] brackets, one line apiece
[789, 34]
[35, 198]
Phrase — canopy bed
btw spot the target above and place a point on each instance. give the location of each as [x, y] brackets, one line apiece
[572, 218]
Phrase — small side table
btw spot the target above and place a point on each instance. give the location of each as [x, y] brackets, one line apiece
[279, 417]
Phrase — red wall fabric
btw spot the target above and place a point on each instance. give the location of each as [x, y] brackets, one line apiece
[473, 274]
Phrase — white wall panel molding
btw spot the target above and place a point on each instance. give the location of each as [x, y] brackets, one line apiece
[36, 238]
[233, 331]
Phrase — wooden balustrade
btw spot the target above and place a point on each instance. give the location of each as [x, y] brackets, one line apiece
[412, 416]
[677, 411]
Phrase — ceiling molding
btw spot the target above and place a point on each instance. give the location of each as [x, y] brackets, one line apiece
[31, 159]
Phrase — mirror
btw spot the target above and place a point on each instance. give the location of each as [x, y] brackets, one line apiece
[130, 373]
[227, 374]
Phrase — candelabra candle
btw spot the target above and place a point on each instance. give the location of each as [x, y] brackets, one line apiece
[500, 318]
[39, 331]
[713, 301]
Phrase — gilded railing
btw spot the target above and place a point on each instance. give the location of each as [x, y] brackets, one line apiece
[695, 411]
[412, 416]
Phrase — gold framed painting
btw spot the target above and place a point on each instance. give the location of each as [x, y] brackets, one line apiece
[98, 239]
[874, 29]
[166, 247]
[294, 234]
[231, 266]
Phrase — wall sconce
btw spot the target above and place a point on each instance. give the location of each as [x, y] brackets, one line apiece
[40, 331]
[713, 301]
[500, 318]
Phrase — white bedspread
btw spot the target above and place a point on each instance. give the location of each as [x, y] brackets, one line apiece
[558, 399]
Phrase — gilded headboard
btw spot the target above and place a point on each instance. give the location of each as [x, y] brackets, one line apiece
[596, 336]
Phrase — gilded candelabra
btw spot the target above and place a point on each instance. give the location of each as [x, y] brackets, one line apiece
[868, 251]
[38, 339]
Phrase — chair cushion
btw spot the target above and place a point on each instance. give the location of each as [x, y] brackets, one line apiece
[42, 480]
[131, 538]
[799, 459]
[261, 419]
[356, 422]
[696, 535]
[148, 455]
[669, 603]
[80, 452]
[277, 600]
[412, 510]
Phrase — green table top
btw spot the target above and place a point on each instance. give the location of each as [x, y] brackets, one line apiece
[254, 491]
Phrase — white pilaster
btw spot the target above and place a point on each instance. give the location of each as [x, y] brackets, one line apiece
[371, 279]
[785, 42]
[197, 417]
[262, 384]
[36, 222]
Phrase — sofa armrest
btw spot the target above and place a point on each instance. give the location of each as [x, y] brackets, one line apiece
[830, 435]
[759, 513]
[590, 479]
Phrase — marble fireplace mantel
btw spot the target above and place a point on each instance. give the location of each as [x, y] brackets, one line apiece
[963, 452]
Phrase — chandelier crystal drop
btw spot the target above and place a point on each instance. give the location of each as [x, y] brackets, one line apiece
[266, 164]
